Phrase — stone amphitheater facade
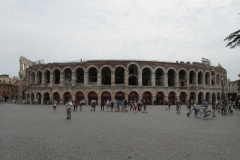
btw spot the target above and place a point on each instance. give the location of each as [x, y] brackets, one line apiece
[153, 81]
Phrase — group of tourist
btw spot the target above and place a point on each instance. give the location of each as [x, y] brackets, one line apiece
[112, 105]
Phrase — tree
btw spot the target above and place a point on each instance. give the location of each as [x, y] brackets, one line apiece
[234, 39]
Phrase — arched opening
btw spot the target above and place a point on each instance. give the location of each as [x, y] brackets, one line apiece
[79, 96]
[133, 75]
[133, 96]
[80, 76]
[119, 75]
[159, 77]
[147, 97]
[183, 97]
[192, 77]
[160, 98]
[172, 97]
[218, 79]
[119, 96]
[171, 77]
[92, 96]
[200, 77]
[192, 96]
[183, 77]
[47, 76]
[28, 99]
[56, 96]
[39, 98]
[56, 76]
[105, 96]
[39, 77]
[207, 78]
[92, 75]
[32, 97]
[46, 98]
[146, 77]
[214, 97]
[208, 97]
[67, 76]
[33, 78]
[218, 96]
[106, 76]
[28, 76]
[200, 98]
[66, 97]
[213, 78]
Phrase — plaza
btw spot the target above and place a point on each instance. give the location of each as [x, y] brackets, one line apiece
[36, 132]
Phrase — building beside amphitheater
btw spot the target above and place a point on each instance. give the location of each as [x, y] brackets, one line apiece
[153, 81]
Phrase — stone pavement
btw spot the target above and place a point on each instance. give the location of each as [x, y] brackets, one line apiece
[36, 132]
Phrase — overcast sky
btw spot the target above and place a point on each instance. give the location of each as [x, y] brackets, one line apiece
[174, 30]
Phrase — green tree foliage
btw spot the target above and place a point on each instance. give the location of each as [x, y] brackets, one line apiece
[234, 39]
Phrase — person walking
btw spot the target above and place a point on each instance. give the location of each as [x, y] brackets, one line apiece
[93, 103]
[54, 106]
[144, 107]
[178, 106]
[205, 105]
[102, 105]
[69, 104]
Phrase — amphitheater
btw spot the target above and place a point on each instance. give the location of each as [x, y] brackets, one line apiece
[152, 81]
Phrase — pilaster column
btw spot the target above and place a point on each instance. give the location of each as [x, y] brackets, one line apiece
[187, 80]
[61, 79]
[51, 79]
[43, 80]
[165, 99]
[73, 78]
[126, 77]
[153, 80]
[176, 80]
[153, 99]
[99, 79]
[165, 80]
[140, 78]
[112, 78]
[203, 80]
[36, 79]
[86, 80]
[99, 99]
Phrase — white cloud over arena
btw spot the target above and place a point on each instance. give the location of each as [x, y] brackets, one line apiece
[179, 30]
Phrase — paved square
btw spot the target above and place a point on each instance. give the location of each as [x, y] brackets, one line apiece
[36, 132]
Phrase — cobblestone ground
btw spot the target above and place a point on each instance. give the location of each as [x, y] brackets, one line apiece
[36, 132]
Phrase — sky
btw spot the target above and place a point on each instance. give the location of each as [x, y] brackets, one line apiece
[174, 30]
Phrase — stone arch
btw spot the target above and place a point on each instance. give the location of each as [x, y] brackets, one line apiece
[106, 73]
[46, 98]
[133, 70]
[79, 96]
[200, 97]
[146, 76]
[67, 74]
[105, 95]
[119, 95]
[92, 74]
[66, 97]
[192, 77]
[147, 97]
[218, 79]
[92, 96]
[207, 78]
[133, 95]
[108, 66]
[138, 67]
[33, 78]
[119, 75]
[160, 98]
[172, 97]
[214, 97]
[192, 96]
[56, 96]
[183, 97]
[207, 97]
[47, 75]
[56, 75]
[159, 76]
[79, 72]
[171, 77]
[39, 97]
[32, 98]
[39, 77]
[200, 77]
[182, 73]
